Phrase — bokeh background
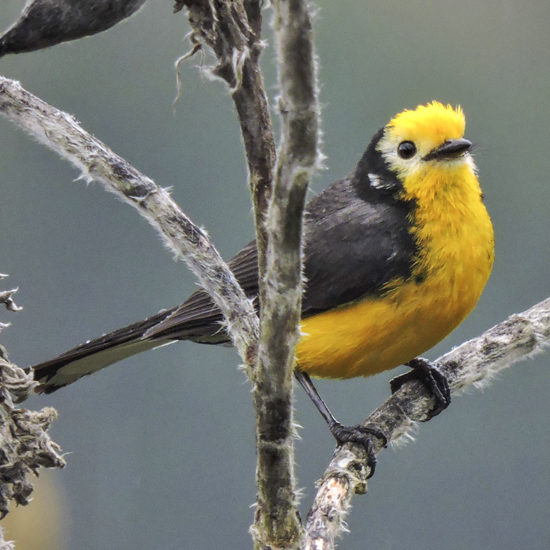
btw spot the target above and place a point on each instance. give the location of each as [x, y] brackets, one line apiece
[162, 446]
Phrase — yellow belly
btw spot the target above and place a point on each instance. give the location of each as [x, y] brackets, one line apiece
[376, 334]
[456, 244]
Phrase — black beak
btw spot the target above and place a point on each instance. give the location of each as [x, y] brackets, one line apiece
[450, 149]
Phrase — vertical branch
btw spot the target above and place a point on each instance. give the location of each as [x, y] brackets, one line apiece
[277, 523]
[233, 31]
[255, 121]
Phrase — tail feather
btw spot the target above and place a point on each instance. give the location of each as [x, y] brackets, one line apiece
[97, 354]
[197, 319]
[59, 372]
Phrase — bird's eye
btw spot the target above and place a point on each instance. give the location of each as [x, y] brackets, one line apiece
[406, 149]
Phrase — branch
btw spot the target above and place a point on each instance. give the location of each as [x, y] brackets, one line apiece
[473, 363]
[25, 444]
[60, 132]
[277, 523]
[232, 30]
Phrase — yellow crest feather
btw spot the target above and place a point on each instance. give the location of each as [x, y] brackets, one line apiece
[434, 122]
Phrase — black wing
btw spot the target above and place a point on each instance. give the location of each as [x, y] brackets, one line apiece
[353, 247]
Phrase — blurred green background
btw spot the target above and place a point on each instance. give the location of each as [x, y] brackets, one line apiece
[162, 446]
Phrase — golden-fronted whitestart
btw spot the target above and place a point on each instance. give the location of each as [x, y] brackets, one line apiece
[396, 256]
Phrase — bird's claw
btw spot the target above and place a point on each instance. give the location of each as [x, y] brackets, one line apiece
[362, 435]
[429, 374]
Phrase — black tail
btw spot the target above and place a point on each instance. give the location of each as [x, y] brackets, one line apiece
[197, 319]
[98, 354]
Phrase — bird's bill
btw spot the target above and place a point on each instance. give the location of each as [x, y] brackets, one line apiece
[450, 149]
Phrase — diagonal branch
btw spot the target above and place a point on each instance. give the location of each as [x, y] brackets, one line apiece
[60, 132]
[475, 362]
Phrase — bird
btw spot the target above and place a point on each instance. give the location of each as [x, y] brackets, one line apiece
[396, 255]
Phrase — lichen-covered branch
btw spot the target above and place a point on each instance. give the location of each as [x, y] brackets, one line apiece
[25, 445]
[277, 523]
[232, 30]
[24, 441]
[60, 132]
[473, 363]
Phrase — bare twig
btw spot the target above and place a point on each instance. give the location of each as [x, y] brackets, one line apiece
[473, 363]
[277, 523]
[61, 132]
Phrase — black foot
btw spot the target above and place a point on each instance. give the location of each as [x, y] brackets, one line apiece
[363, 436]
[432, 377]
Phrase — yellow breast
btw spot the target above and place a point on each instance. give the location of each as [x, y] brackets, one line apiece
[455, 238]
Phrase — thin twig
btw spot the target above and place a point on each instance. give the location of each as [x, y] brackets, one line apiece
[277, 523]
[472, 363]
[60, 132]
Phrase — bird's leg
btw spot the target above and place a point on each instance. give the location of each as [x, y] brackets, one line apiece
[343, 434]
[429, 374]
